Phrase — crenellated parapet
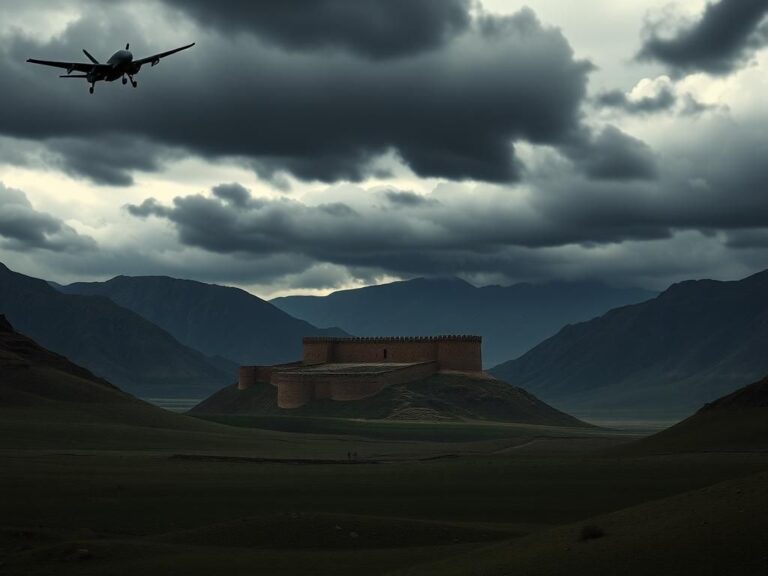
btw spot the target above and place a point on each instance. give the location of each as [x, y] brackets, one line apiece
[389, 339]
[345, 369]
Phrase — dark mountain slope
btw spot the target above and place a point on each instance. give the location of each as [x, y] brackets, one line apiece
[111, 341]
[217, 320]
[511, 319]
[439, 397]
[752, 396]
[22, 363]
[735, 423]
[694, 342]
[48, 402]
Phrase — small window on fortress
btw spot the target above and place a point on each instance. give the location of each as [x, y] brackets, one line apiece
[385, 353]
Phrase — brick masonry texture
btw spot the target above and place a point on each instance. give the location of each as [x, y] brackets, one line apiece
[412, 358]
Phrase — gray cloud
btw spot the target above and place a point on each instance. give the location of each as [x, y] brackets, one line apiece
[692, 107]
[725, 36]
[22, 228]
[374, 28]
[110, 159]
[744, 239]
[407, 199]
[613, 155]
[661, 102]
[150, 207]
[452, 112]
[234, 194]
[707, 191]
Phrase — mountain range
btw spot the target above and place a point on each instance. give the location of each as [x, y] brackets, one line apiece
[109, 340]
[511, 319]
[219, 321]
[693, 343]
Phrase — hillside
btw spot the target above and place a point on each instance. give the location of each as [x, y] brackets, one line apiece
[737, 422]
[695, 342]
[108, 340]
[21, 357]
[511, 319]
[49, 403]
[440, 397]
[46, 398]
[217, 320]
[715, 530]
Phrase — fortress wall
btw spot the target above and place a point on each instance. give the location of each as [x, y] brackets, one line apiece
[250, 375]
[296, 389]
[246, 377]
[372, 352]
[292, 392]
[322, 390]
[452, 352]
[318, 351]
[465, 356]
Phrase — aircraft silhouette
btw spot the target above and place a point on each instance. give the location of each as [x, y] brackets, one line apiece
[120, 65]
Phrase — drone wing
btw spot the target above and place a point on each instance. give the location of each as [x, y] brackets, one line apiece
[68, 66]
[156, 58]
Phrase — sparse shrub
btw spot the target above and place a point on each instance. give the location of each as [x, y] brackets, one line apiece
[590, 532]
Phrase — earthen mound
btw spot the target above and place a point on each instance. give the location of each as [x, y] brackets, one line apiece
[449, 396]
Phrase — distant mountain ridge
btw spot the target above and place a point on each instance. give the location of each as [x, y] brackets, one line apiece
[110, 341]
[696, 341]
[511, 319]
[216, 320]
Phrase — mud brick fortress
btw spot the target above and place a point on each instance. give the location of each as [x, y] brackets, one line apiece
[345, 369]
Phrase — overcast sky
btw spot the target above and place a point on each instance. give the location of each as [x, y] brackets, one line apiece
[309, 145]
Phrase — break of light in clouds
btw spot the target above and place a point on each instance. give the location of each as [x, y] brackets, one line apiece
[301, 148]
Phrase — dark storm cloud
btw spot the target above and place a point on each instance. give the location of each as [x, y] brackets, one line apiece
[705, 191]
[613, 155]
[452, 112]
[22, 228]
[235, 194]
[745, 239]
[726, 35]
[109, 160]
[374, 28]
[661, 102]
[150, 207]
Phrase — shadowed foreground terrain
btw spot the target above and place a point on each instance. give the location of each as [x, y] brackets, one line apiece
[716, 530]
[97, 482]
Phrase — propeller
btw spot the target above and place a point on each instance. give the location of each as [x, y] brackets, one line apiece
[128, 46]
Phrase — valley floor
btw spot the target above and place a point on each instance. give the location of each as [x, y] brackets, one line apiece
[190, 506]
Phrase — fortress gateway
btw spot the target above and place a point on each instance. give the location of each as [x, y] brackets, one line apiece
[345, 369]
